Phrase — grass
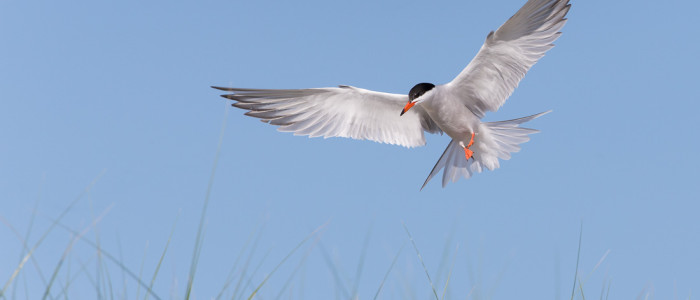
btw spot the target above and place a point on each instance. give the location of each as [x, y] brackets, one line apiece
[96, 281]
[241, 278]
[420, 257]
[240, 283]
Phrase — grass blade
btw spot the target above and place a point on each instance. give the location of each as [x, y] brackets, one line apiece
[198, 239]
[334, 270]
[121, 258]
[244, 271]
[25, 247]
[249, 282]
[420, 257]
[108, 281]
[229, 277]
[69, 280]
[285, 259]
[361, 263]
[46, 233]
[68, 249]
[449, 275]
[297, 268]
[386, 275]
[578, 258]
[143, 261]
[162, 256]
[113, 260]
[444, 257]
[600, 261]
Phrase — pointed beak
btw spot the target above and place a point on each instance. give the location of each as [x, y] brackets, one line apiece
[407, 107]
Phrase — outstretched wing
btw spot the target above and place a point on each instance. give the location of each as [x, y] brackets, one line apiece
[343, 111]
[508, 53]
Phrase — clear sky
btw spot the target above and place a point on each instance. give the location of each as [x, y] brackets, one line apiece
[122, 89]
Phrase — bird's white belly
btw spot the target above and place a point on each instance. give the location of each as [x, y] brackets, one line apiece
[453, 118]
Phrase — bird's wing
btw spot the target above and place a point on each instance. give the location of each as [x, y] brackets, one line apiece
[342, 111]
[508, 53]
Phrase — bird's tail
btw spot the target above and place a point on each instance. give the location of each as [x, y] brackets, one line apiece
[493, 140]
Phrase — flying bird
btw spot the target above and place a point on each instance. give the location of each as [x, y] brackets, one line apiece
[455, 108]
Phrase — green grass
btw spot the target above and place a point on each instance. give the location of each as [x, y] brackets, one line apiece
[240, 282]
[241, 277]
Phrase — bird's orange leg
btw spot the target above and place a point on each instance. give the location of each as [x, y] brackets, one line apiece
[467, 152]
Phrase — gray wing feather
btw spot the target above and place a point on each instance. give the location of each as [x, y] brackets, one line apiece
[508, 53]
[342, 111]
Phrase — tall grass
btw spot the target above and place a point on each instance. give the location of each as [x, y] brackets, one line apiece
[240, 282]
[241, 277]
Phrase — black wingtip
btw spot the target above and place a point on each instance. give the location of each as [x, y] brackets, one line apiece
[222, 88]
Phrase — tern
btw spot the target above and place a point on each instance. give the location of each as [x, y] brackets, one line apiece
[455, 108]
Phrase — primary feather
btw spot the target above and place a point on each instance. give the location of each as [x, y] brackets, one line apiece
[343, 111]
[508, 53]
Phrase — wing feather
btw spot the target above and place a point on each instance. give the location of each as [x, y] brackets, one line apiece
[344, 111]
[508, 53]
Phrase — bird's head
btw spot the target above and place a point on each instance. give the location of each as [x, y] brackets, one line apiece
[415, 93]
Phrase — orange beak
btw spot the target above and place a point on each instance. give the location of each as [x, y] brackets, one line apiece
[407, 107]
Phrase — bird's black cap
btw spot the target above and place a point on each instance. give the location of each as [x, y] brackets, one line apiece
[419, 89]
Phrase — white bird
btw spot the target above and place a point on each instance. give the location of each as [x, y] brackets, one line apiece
[455, 108]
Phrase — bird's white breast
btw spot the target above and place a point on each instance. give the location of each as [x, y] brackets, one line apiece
[450, 114]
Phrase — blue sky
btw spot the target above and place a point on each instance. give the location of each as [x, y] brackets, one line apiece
[122, 89]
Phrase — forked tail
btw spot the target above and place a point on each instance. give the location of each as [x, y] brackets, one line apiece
[493, 140]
